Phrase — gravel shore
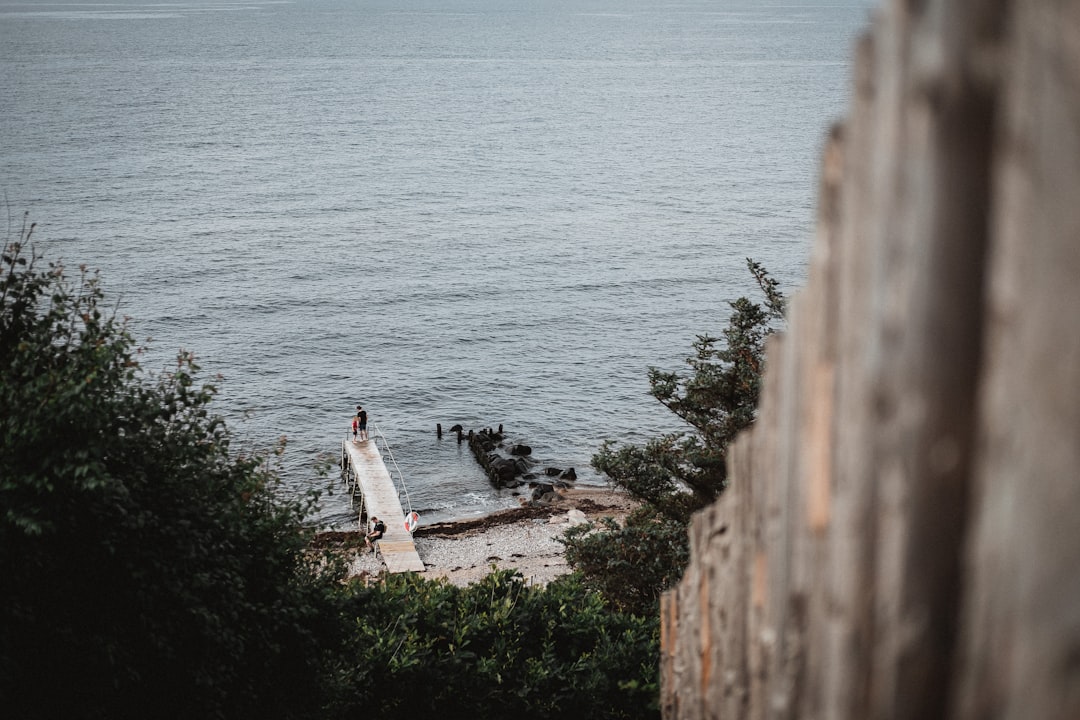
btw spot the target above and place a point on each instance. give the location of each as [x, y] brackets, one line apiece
[523, 539]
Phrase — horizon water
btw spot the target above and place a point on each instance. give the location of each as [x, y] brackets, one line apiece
[480, 212]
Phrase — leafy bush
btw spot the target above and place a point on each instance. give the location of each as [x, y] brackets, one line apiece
[677, 474]
[146, 569]
[495, 649]
[648, 548]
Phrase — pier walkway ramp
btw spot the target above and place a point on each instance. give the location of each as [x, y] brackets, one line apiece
[364, 468]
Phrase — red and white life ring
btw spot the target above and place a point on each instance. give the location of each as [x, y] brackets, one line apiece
[411, 521]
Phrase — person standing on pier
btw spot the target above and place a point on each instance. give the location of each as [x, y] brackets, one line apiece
[361, 416]
[355, 427]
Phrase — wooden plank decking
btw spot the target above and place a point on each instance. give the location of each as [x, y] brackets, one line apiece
[381, 499]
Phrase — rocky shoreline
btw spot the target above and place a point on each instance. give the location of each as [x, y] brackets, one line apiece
[510, 465]
[523, 539]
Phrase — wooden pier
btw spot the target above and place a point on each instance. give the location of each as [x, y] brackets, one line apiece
[380, 498]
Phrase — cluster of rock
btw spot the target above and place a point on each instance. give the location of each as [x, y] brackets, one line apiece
[512, 465]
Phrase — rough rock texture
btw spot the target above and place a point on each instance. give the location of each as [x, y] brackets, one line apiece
[900, 538]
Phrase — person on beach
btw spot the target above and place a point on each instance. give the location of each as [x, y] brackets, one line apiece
[355, 428]
[378, 528]
[361, 416]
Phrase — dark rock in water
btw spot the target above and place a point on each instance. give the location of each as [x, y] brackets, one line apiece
[504, 471]
[541, 489]
[568, 475]
[457, 428]
[508, 468]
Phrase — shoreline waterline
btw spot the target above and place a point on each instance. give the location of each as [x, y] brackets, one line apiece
[523, 539]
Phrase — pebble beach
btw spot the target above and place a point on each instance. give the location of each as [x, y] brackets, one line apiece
[524, 539]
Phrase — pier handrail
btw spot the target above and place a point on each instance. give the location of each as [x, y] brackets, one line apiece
[402, 489]
[376, 434]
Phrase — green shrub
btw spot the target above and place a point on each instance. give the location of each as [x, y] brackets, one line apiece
[495, 649]
[147, 570]
[677, 474]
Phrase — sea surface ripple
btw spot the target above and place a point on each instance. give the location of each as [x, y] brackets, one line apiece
[453, 211]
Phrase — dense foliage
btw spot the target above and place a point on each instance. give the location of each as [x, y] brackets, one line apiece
[149, 570]
[496, 649]
[145, 568]
[677, 474]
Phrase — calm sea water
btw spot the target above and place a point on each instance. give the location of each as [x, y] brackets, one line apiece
[452, 211]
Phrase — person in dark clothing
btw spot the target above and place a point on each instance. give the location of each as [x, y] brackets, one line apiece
[378, 529]
[361, 415]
